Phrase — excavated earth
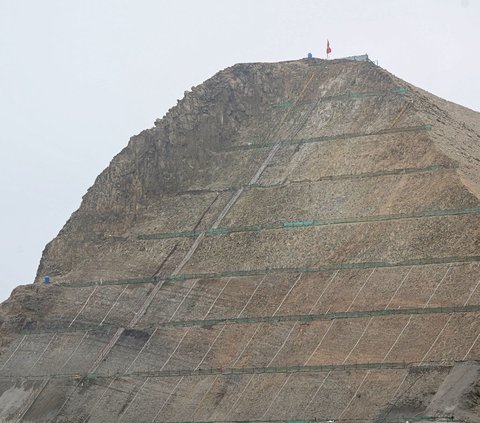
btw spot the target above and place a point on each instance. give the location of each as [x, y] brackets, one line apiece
[292, 241]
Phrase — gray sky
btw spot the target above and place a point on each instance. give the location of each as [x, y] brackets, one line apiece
[79, 77]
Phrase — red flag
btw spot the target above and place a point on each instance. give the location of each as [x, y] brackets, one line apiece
[329, 50]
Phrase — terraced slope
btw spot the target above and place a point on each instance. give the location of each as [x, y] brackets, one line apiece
[292, 241]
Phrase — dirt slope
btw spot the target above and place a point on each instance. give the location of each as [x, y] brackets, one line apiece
[292, 241]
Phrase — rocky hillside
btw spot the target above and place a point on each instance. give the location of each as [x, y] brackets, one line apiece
[291, 241]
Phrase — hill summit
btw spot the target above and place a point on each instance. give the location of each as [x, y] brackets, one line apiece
[293, 241]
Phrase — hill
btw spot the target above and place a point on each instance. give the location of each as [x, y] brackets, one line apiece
[292, 241]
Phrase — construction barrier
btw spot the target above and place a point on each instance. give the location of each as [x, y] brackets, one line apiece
[328, 267]
[57, 327]
[276, 270]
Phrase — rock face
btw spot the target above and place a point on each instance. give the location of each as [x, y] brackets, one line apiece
[292, 241]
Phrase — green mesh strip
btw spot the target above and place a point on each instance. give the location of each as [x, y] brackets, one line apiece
[340, 97]
[261, 272]
[248, 370]
[217, 231]
[317, 419]
[244, 371]
[298, 224]
[133, 281]
[325, 138]
[353, 176]
[328, 267]
[403, 171]
[57, 327]
[290, 369]
[322, 222]
[395, 216]
[169, 235]
[305, 318]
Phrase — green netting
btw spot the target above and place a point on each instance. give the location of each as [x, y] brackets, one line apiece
[429, 418]
[298, 224]
[55, 327]
[243, 371]
[305, 318]
[364, 175]
[356, 176]
[321, 222]
[316, 419]
[217, 231]
[326, 138]
[401, 171]
[261, 272]
[323, 419]
[133, 281]
[290, 369]
[167, 235]
[328, 267]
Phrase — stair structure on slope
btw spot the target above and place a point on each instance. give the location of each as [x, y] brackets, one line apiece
[296, 241]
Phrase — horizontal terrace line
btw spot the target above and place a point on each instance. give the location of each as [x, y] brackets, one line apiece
[340, 177]
[247, 370]
[340, 97]
[261, 272]
[364, 175]
[394, 419]
[61, 327]
[329, 267]
[398, 419]
[350, 135]
[292, 224]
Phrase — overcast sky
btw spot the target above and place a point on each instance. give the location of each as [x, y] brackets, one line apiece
[79, 77]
